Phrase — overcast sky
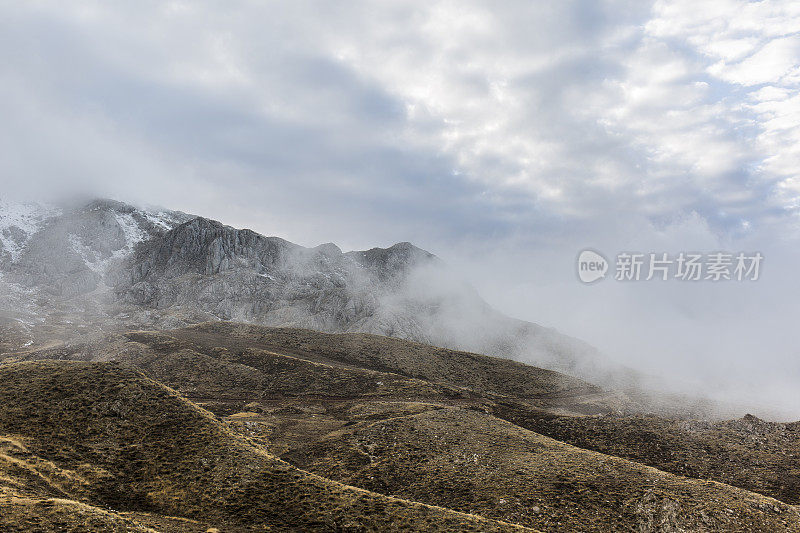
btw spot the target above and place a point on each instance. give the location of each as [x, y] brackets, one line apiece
[503, 136]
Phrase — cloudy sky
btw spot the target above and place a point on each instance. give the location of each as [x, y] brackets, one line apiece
[505, 137]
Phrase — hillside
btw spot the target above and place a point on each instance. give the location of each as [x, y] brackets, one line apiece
[748, 452]
[466, 431]
[119, 440]
[473, 462]
[218, 360]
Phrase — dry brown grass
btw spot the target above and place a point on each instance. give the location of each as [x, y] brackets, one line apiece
[150, 450]
[473, 462]
[390, 416]
[26, 515]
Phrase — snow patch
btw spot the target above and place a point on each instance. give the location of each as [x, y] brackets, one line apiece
[18, 221]
[89, 256]
[161, 220]
[134, 234]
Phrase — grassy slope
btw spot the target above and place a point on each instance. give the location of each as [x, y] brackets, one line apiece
[336, 383]
[135, 445]
[24, 515]
[480, 373]
[227, 366]
[750, 454]
[760, 456]
[465, 460]
[754, 455]
[249, 373]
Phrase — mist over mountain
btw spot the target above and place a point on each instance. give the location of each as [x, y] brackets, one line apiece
[109, 265]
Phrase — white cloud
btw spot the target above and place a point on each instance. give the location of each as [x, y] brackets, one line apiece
[578, 108]
[752, 52]
[776, 60]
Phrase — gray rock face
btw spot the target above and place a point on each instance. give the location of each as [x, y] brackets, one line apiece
[386, 263]
[206, 247]
[239, 274]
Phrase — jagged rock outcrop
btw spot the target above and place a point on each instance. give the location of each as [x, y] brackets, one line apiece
[207, 247]
[239, 274]
[387, 263]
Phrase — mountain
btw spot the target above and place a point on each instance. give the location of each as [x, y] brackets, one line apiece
[109, 266]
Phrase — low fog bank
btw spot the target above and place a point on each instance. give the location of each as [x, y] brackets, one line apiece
[734, 342]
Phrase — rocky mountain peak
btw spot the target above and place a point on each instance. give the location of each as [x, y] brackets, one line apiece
[205, 246]
[397, 259]
[328, 249]
[69, 250]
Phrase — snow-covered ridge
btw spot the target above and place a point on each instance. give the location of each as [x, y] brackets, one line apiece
[133, 235]
[18, 221]
[135, 224]
[101, 232]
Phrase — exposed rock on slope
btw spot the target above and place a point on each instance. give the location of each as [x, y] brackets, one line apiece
[71, 253]
[241, 274]
[18, 222]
